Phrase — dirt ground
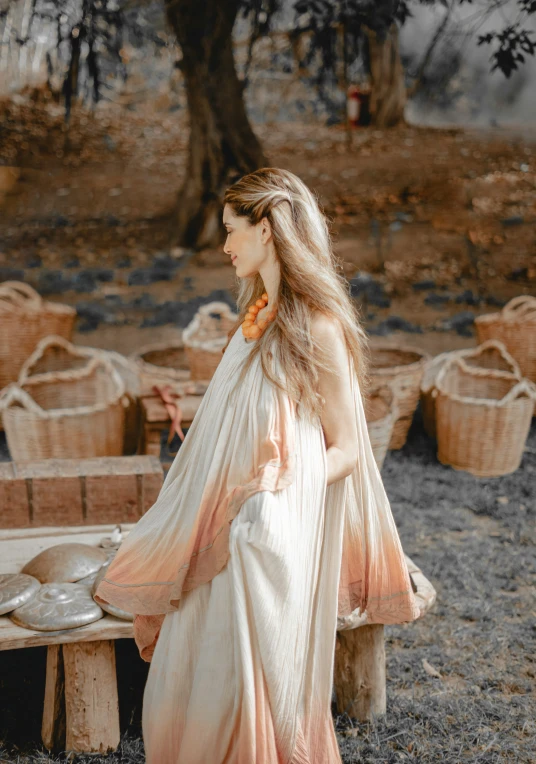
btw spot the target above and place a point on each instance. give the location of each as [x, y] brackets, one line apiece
[432, 227]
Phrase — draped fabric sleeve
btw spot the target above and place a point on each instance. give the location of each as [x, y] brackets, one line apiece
[240, 442]
[375, 585]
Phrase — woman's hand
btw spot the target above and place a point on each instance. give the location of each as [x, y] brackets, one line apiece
[338, 416]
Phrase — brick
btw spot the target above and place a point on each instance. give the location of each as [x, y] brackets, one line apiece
[56, 497]
[14, 506]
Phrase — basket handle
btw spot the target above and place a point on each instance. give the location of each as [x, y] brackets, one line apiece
[20, 293]
[15, 394]
[52, 340]
[501, 347]
[523, 386]
[520, 306]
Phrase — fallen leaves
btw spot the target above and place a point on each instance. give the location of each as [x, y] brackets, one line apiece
[430, 670]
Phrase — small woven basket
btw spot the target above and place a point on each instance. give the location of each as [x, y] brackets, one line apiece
[59, 357]
[25, 318]
[402, 368]
[205, 337]
[381, 415]
[161, 364]
[483, 418]
[62, 415]
[515, 326]
[491, 354]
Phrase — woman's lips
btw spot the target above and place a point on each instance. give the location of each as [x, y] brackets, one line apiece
[233, 259]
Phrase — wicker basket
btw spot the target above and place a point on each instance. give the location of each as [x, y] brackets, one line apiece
[515, 326]
[161, 364]
[491, 354]
[205, 337]
[62, 415]
[26, 318]
[483, 418]
[59, 357]
[401, 367]
[381, 415]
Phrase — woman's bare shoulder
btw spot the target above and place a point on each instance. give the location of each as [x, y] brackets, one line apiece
[326, 328]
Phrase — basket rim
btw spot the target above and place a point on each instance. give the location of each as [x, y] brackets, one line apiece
[424, 356]
[145, 367]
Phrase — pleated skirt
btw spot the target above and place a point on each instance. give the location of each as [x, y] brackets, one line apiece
[242, 672]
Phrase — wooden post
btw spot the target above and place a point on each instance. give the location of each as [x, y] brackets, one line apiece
[359, 672]
[91, 702]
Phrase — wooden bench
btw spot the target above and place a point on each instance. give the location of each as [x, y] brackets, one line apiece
[80, 709]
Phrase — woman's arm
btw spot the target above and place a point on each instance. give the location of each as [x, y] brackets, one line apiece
[338, 416]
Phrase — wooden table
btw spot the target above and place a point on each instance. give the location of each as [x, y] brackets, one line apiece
[80, 709]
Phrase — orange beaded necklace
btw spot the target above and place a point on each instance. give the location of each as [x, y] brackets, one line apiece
[251, 328]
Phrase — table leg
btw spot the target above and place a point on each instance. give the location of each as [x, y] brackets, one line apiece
[359, 672]
[152, 441]
[53, 725]
[81, 705]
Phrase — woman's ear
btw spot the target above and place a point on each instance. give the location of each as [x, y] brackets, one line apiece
[266, 230]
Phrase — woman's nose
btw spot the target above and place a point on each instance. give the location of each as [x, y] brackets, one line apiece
[226, 248]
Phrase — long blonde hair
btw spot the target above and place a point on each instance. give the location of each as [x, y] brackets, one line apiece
[311, 280]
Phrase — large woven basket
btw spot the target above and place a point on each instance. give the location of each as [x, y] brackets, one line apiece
[59, 357]
[25, 318]
[515, 326]
[483, 418]
[491, 354]
[161, 364]
[402, 368]
[381, 415]
[205, 336]
[66, 415]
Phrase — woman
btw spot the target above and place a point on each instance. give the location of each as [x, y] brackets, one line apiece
[272, 529]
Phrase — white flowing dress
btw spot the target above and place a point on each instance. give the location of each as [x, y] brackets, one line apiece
[242, 572]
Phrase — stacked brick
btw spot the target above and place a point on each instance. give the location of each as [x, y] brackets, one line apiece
[78, 491]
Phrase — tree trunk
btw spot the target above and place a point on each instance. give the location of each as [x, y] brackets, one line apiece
[388, 96]
[222, 145]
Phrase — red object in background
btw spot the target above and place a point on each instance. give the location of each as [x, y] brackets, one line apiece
[357, 105]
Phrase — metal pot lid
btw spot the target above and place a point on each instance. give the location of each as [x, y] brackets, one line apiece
[90, 580]
[15, 590]
[58, 606]
[112, 609]
[65, 563]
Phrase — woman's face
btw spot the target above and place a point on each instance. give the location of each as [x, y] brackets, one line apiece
[246, 244]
